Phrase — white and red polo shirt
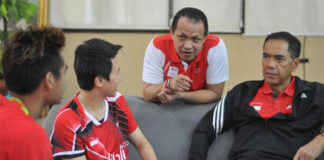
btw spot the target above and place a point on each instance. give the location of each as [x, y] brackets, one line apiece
[162, 62]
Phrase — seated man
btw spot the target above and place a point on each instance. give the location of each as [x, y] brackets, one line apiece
[92, 126]
[188, 64]
[34, 71]
[280, 117]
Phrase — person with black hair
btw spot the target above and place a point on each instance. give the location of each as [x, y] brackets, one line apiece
[97, 123]
[280, 117]
[188, 64]
[34, 72]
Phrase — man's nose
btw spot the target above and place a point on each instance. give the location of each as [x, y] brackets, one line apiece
[271, 63]
[187, 44]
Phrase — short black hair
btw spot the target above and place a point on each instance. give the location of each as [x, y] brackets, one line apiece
[191, 13]
[293, 43]
[92, 59]
[29, 55]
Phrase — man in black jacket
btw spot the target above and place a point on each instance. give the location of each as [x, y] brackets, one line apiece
[281, 117]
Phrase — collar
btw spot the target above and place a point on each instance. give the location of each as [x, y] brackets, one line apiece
[288, 91]
[19, 101]
[301, 86]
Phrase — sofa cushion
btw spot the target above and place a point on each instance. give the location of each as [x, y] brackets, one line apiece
[169, 128]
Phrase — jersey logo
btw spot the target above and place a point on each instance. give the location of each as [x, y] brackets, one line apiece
[94, 142]
[303, 95]
[173, 71]
[256, 105]
[289, 107]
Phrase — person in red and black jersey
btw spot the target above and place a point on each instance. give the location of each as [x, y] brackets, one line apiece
[97, 123]
[34, 72]
[281, 117]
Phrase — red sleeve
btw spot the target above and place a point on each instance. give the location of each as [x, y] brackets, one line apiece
[65, 139]
[132, 124]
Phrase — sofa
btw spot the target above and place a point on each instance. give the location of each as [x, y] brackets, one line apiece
[168, 127]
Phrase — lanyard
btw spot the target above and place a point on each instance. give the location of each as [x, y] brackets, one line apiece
[22, 105]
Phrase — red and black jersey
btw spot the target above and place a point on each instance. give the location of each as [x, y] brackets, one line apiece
[77, 133]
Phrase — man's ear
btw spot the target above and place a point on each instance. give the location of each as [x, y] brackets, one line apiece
[49, 80]
[98, 81]
[171, 31]
[296, 63]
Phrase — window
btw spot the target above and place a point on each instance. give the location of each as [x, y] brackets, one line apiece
[223, 15]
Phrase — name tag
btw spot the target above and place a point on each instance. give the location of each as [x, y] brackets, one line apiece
[173, 71]
[256, 106]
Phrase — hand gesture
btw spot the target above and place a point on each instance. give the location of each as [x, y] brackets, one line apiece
[180, 83]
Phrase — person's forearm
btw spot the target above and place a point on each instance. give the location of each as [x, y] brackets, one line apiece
[151, 91]
[321, 140]
[142, 145]
[212, 93]
[312, 149]
[199, 96]
[147, 152]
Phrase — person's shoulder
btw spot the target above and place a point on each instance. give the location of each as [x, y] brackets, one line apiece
[116, 98]
[120, 100]
[4, 103]
[310, 85]
[34, 138]
[71, 106]
[247, 85]
[69, 113]
[162, 40]
[9, 109]
[212, 40]
[213, 37]
[28, 129]
[162, 37]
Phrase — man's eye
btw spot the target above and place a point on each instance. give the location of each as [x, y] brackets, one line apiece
[195, 39]
[182, 37]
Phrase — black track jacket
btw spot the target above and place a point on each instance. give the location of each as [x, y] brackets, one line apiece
[277, 138]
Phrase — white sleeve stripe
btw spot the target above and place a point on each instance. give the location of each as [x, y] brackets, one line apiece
[214, 116]
[218, 116]
[74, 140]
[68, 153]
[97, 154]
[222, 115]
